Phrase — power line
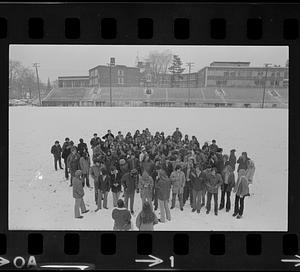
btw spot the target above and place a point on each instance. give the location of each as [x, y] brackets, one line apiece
[36, 65]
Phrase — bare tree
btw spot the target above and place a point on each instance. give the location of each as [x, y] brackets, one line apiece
[159, 63]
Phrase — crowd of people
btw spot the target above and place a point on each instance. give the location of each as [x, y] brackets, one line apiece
[163, 169]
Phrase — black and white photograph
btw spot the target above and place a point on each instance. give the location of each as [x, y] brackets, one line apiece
[148, 138]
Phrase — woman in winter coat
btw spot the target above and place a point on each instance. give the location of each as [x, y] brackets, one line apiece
[121, 217]
[73, 162]
[104, 187]
[146, 219]
[84, 164]
[178, 181]
[198, 179]
[243, 161]
[78, 194]
[226, 187]
[232, 159]
[115, 184]
[241, 189]
[145, 186]
[163, 188]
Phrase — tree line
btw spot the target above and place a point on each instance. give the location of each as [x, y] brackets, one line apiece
[23, 82]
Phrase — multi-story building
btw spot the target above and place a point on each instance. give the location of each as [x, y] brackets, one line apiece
[117, 75]
[241, 74]
[73, 81]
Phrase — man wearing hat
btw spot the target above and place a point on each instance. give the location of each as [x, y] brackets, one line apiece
[56, 151]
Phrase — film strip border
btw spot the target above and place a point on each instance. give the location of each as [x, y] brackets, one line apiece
[150, 23]
[125, 249]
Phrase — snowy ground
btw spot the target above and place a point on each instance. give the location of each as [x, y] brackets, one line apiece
[40, 198]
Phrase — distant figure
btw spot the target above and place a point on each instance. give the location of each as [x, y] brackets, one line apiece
[163, 188]
[213, 182]
[243, 161]
[78, 194]
[73, 162]
[104, 188]
[242, 190]
[177, 135]
[129, 182]
[232, 159]
[213, 147]
[121, 217]
[108, 136]
[66, 150]
[146, 184]
[85, 163]
[226, 187]
[178, 181]
[146, 219]
[115, 184]
[56, 150]
[94, 141]
[82, 146]
[95, 172]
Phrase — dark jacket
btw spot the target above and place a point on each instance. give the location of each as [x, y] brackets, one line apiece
[163, 187]
[104, 183]
[115, 182]
[232, 161]
[145, 226]
[213, 183]
[122, 218]
[198, 182]
[129, 182]
[56, 151]
[242, 164]
[73, 163]
[81, 147]
[66, 150]
[94, 141]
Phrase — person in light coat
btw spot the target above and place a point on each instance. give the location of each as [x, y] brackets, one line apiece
[178, 181]
[242, 190]
[250, 171]
[226, 188]
[78, 194]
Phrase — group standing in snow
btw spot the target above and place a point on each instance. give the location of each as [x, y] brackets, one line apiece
[162, 169]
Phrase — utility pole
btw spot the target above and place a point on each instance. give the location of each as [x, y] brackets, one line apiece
[189, 64]
[265, 80]
[36, 65]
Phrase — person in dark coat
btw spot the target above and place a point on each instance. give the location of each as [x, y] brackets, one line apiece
[121, 217]
[213, 147]
[85, 163]
[213, 182]
[56, 150]
[129, 181]
[104, 187]
[115, 184]
[163, 189]
[243, 162]
[78, 194]
[198, 180]
[177, 135]
[232, 159]
[108, 136]
[73, 162]
[95, 172]
[228, 184]
[66, 150]
[81, 147]
[95, 140]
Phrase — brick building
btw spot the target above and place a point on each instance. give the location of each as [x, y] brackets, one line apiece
[121, 76]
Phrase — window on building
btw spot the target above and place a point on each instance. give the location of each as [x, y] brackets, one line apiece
[272, 74]
[249, 73]
[285, 74]
[278, 74]
[96, 72]
[226, 74]
[148, 77]
[232, 74]
[276, 82]
[120, 73]
[120, 80]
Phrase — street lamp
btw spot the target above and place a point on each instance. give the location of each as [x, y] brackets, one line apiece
[265, 80]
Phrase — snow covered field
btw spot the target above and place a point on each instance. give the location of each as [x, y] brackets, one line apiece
[41, 199]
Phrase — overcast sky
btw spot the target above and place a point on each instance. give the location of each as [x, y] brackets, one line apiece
[66, 60]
